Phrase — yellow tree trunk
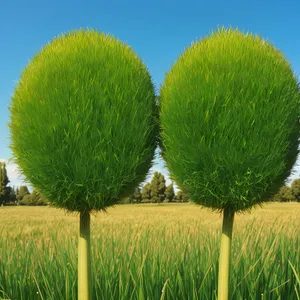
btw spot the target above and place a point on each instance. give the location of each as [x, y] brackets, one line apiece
[224, 260]
[84, 258]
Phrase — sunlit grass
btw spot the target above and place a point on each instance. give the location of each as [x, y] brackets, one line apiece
[150, 251]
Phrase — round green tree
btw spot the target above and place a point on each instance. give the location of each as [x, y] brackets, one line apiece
[84, 127]
[237, 100]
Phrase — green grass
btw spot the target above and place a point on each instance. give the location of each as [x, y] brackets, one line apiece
[150, 251]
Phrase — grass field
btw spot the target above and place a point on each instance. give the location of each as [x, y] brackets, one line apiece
[150, 251]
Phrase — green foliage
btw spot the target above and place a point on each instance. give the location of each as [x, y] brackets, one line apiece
[137, 196]
[4, 189]
[237, 100]
[146, 192]
[11, 196]
[38, 198]
[284, 195]
[169, 193]
[295, 189]
[84, 121]
[3, 176]
[13, 191]
[22, 192]
[33, 199]
[158, 187]
[25, 200]
[181, 197]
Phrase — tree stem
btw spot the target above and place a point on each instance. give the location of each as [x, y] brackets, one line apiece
[224, 261]
[84, 258]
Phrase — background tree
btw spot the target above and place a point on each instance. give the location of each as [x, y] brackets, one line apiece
[178, 197]
[33, 199]
[146, 192]
[185, 197]
[226, 152]
[137, 196]
[295, 190]
[181, 197]
[79, 149]
[158, 187]
[284, 195]
[12, 197]
[4, 189]
[42, 199]
[169, 193]
[26, 200]
[2, 180]
[21, 192]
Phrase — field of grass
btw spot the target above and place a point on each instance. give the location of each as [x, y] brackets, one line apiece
[150, 251]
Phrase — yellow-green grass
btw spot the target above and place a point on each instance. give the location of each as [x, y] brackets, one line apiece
[150, 251]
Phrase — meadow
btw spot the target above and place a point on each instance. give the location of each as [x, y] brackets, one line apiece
[150, 251]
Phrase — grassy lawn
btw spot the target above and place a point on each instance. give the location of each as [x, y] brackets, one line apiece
[150, 251]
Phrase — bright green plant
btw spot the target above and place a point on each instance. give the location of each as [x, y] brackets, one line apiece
[237, 100]
[83, 127]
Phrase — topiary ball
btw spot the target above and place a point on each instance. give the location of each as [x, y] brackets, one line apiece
[229, 113]
[84, 121]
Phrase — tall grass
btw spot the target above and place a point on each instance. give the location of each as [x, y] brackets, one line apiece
[167, 251]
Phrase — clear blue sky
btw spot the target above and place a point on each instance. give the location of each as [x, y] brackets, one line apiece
[158, 31]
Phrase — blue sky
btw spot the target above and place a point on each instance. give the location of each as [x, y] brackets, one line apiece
[158, 31]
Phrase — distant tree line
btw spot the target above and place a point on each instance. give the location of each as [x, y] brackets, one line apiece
[155, 191]
[17, 196]
[289, 194]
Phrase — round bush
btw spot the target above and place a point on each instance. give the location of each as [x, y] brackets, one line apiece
[229, 112]
[84, 121]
